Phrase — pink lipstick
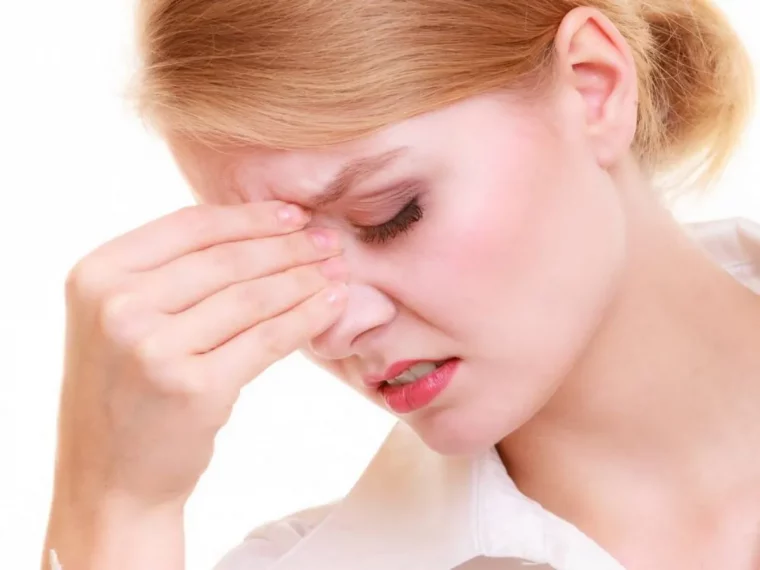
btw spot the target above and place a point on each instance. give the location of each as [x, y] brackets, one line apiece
[406, 398]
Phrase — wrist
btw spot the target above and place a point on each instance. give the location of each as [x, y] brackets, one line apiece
[116, 533]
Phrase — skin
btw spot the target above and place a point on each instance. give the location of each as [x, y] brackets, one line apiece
[602, 351]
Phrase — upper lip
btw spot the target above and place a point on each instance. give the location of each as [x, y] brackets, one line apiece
[394, 370]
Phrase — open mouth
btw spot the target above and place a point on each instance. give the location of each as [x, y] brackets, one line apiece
[418, 385]
[416, 372]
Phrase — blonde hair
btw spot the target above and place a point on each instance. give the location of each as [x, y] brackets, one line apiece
[307, 73]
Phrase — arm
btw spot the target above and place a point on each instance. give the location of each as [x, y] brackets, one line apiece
[109, 534]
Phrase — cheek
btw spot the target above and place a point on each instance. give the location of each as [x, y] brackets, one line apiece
[535, 259]
[494, 234]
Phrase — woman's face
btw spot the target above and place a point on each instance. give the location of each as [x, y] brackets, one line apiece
[499, 242]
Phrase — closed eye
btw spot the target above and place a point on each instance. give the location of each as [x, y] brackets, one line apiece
[401, 223]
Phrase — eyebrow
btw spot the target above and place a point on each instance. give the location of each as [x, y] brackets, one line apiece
[351, 174]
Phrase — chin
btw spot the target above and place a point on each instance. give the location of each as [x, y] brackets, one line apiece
[457, 431]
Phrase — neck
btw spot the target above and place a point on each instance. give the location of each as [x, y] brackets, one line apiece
[665, 400]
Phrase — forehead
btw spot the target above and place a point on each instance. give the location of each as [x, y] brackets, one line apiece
[235, 175]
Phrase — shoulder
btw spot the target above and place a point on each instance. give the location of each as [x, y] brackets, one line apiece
[266, 544]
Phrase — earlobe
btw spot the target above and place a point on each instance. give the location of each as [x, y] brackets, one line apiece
[596, 61]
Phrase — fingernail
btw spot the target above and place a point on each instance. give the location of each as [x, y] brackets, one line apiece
[336, 293]
[325, 239]
[292, 215]
[334, 268]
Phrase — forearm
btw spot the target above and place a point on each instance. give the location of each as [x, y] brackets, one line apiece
[111, 534]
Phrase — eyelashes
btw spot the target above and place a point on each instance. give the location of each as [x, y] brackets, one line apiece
[401, 223]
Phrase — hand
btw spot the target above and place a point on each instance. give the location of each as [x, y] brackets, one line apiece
[166, 324]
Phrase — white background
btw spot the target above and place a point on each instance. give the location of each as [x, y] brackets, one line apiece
[77, 168]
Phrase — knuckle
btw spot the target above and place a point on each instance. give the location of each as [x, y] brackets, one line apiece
[301, 245]
[290, 249]
[177, 381]
[117, 315]
[249, 295]
[165, 374]
[150, 354]
[228, 260]
[274, 342]
[307, 280]
[296, 247]
[85, 280]
[200, 220]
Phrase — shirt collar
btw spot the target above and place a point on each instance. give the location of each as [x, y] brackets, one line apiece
[414, 509]
[734, 244]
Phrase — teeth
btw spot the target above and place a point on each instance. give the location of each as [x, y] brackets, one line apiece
[414, 373]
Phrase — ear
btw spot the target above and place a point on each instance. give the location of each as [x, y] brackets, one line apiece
[596, 62]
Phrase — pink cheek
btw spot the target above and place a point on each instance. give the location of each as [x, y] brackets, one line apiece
[464, 258]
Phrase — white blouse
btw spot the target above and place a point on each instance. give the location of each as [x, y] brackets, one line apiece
[414, 509]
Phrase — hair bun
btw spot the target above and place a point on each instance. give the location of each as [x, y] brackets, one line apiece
[701, 87]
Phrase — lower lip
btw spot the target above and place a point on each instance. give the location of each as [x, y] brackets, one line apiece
[407, 398]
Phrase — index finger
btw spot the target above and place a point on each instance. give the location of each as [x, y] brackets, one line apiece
[199, 227]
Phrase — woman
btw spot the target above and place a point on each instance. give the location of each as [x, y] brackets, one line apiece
[451, 205]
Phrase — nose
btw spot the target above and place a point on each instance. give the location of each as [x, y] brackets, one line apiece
[367, 309]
